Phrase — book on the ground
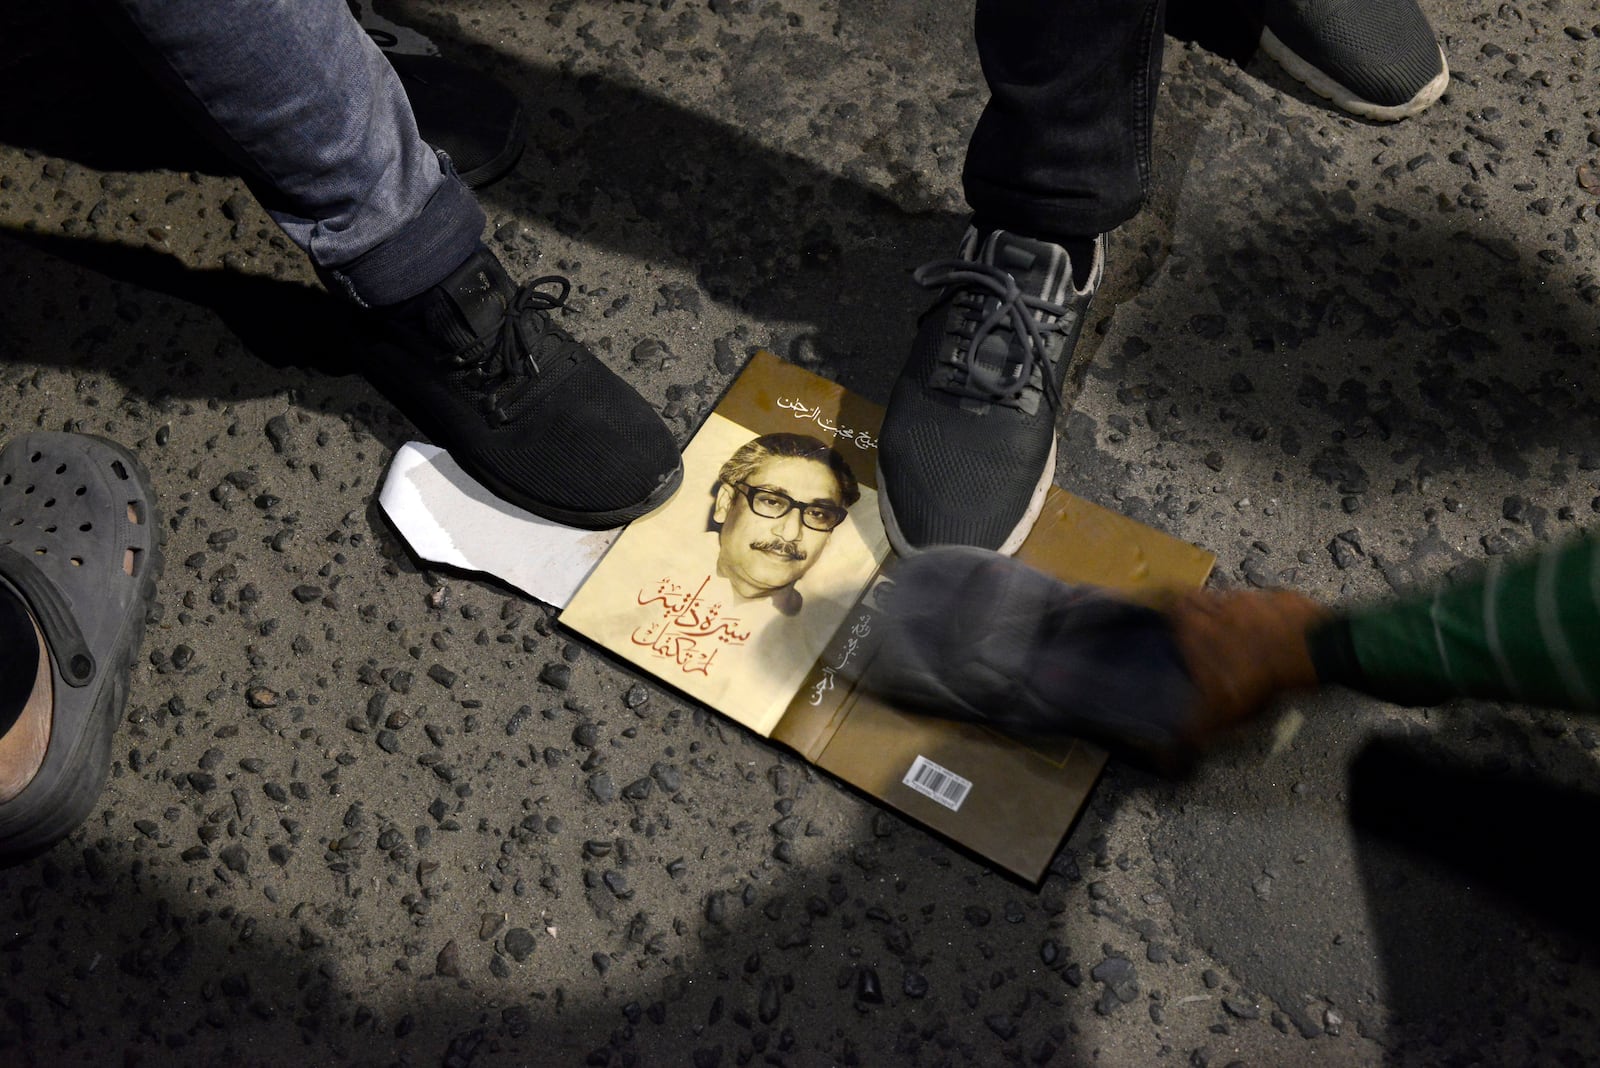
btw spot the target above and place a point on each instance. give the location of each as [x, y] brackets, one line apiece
[752, 591]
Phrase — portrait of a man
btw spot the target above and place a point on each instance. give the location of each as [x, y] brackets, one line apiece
[777, 501]
[732, 589]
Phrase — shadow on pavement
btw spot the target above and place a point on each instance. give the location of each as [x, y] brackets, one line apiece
[769, 233]
[1443, 846]
[771, 967]
[1478, 891]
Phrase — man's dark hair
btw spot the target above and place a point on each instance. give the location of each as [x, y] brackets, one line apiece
[752, 454]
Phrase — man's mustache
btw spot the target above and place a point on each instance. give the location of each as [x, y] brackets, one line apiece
[780, 547]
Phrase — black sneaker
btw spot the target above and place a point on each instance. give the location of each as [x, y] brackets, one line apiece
[521, 406]
[1375, 58]
[968, 447]
[472, 117]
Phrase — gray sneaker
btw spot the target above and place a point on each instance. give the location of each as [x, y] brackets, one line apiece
[1375, 58]
[968, 446]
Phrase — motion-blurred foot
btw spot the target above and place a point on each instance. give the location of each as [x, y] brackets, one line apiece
[971, 635]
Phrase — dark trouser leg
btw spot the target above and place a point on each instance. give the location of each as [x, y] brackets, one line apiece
[301, 98]
[1063, 147]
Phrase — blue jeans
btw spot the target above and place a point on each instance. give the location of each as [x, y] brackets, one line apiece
[307, 105]
[310, 110]
[1063, 146]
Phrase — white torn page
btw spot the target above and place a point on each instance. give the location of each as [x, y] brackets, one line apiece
[448, 518]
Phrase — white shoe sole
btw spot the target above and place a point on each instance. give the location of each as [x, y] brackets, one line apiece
[1324, 86]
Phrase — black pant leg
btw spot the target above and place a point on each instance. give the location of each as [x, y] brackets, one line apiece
[1063, 146]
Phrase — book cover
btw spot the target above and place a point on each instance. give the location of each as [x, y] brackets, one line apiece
[752, 592]
[728, 604]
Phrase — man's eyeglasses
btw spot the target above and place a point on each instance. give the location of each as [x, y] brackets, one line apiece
[775, 504]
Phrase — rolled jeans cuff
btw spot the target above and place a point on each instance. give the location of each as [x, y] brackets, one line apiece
[421, 255]
[1054, 216]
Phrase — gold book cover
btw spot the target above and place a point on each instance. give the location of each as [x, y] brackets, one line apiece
[750, 591]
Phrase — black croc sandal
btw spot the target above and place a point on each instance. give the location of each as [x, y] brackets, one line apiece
[77, 514]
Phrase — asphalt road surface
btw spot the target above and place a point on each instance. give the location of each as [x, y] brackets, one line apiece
[364, 812]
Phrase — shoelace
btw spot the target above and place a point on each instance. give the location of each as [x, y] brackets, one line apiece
[524, 336]
[973, 283]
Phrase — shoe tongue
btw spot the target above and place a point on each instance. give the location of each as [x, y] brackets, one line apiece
[1038, 268]
[472, 302]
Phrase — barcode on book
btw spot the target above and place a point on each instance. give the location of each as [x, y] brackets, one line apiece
[941, 784]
